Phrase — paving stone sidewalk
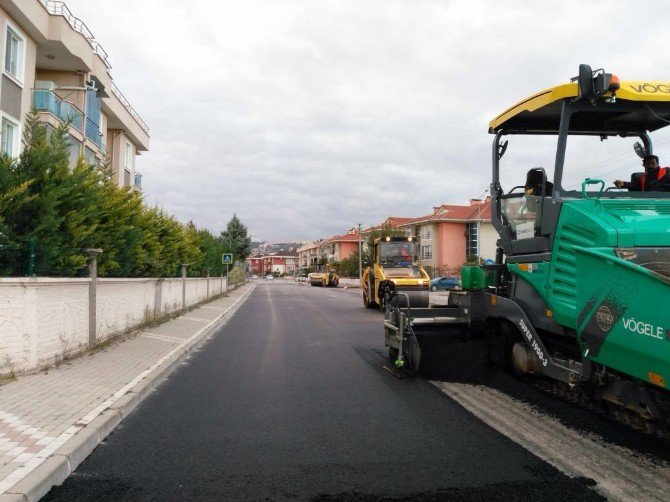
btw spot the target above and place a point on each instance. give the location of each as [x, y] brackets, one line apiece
[51, 421]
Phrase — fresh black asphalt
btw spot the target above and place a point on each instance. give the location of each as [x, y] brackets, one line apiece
[290, 401]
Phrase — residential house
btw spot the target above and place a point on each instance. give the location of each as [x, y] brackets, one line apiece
[255, 264]
[53, 63]
[452, 233]
[310, 254]
[280, 262]
[339, 247]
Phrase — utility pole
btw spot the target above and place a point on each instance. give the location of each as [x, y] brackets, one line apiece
[479, 223]
[360, 254]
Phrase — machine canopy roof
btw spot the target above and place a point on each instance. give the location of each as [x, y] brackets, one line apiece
[638, 107]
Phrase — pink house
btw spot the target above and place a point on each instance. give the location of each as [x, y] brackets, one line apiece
[451, 234]
[339, 247]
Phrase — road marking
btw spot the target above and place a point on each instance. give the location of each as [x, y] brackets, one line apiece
[620, 474]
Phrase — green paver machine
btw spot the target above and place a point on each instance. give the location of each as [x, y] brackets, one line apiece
[582, 277]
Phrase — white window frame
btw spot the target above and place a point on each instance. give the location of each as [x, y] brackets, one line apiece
[128, 156]
[21, 53]
[426, 252]
[16, 140]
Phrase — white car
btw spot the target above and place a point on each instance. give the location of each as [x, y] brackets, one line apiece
[269, 277]
[254, 276]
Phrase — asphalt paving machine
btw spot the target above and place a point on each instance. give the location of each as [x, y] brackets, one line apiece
[581, 278]
[396, 267]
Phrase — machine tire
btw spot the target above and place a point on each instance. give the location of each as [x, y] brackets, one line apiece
[335, 282]
[510, 336]
[367, 301]
[433, 288]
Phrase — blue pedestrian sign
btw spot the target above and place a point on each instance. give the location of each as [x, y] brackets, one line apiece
[488, 261]
[227, 258]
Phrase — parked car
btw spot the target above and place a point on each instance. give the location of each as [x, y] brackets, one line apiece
[254, 276]
[269, 277]
[445, 283]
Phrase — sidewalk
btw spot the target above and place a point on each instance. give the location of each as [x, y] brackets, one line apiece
[51, 421]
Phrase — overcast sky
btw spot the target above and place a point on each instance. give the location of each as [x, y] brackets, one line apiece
[308, 117]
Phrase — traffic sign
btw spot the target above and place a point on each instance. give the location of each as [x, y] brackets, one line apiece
[489, 261]
[227, 258]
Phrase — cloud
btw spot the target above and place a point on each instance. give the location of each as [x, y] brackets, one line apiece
[306, 117]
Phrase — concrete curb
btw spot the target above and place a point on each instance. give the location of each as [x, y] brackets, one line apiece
[57, 468]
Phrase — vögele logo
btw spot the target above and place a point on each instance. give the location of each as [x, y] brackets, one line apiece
[605, 318]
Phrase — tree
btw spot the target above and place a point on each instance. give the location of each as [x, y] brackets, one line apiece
[348, 267]
[235, 239]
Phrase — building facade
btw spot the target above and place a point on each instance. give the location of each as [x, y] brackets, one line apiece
[453, 234]
[277, 263]
[339, 247]
[52, 63]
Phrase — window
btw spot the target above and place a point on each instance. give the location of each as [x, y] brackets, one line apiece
[74, 149]
[10, 137]
[128, 159]
[471, 246]
[14, 53]
[89, 156]
[426, 252]
[425, 233]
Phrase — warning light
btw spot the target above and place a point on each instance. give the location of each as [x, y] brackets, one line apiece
[656, 379]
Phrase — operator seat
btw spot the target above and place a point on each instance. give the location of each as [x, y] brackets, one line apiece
[534, 179]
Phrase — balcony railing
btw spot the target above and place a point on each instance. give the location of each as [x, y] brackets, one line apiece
[93, 132]
[60, 9]
[56, 8]
[47, 101]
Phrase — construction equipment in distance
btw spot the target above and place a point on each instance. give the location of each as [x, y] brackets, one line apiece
[396, 267]
[581, 278]
[325, 275]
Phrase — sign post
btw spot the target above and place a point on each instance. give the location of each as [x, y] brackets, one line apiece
[227, 260]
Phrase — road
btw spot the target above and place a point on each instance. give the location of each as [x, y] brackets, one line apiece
[290, 401]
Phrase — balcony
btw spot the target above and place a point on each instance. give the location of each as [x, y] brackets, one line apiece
[93, 133]
[47, 101]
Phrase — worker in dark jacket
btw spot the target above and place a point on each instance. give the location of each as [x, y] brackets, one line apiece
[654, 179]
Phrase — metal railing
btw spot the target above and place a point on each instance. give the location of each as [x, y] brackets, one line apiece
[130, 109]
[60, 9]
[93, 133]
[57, 8]
[47, 101]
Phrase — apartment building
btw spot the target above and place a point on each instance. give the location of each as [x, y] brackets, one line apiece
[310, 254]
[52, 62]
[339, 247]
[453, 233]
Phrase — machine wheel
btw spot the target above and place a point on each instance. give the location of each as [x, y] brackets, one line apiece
[433, 288]
[367, 303]
[335, 282]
